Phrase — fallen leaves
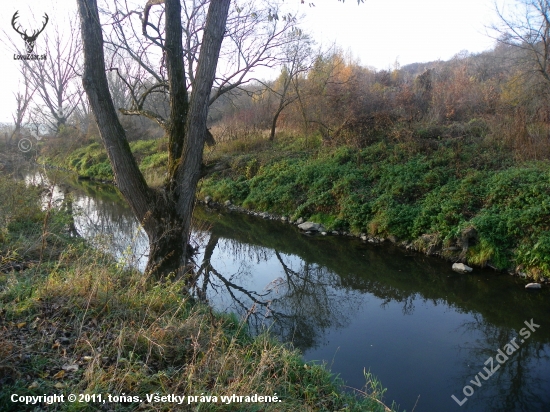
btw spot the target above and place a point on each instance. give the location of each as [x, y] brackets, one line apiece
[59, 375]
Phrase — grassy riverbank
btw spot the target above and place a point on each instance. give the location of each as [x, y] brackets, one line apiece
[464, 198]
[425, 194]
[73, 321]
[89, 160]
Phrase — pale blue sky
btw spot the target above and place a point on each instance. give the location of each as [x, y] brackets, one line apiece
[377, 32]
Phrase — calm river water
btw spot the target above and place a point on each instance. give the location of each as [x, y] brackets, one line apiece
[425, 331]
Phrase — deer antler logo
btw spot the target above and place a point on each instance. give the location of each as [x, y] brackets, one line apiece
[29, 40]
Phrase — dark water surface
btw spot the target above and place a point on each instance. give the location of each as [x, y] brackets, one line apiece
[422, 329]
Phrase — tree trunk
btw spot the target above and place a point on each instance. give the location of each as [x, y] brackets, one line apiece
[16, 133]
[153, 211]
[274, 124]
[276, 117]
[179, 100]
[166, 214]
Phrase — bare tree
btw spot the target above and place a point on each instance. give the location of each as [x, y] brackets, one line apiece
[190, 74]
[56, 79]
[81, 115]
[254, 35]
[524, 48]
[23, 99]
[58, 92]
[166, 213]
[297, 53]
[527, 28]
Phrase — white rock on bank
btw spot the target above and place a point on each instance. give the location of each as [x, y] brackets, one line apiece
[533, 286]
[461, 267]
[310, 226]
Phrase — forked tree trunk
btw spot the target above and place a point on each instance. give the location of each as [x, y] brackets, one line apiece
[165, 214]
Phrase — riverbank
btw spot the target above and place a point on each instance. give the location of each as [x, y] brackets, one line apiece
[89, 160]
[75, 321]
[463, 199]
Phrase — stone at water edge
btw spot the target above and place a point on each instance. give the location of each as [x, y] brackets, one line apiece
[300, 220]
[311, 226]
[461, 267]
[393, 239]
[207, 199]
[227, 203]
[533, 286]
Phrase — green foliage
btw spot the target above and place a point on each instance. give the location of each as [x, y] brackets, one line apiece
[154, 161]
[101, 171]
[397, 189]
[27, 230]
[91, 160]
[20, 213]
[402, 188]
[143, 148]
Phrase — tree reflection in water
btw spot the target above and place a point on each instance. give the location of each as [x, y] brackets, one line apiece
[111, 229]
[506, 389]
[97, 214]
[298, 306]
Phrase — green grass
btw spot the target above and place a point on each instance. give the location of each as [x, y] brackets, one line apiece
[406, 190]
[91, 161]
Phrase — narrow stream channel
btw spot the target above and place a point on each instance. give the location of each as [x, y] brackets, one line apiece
[425, 331]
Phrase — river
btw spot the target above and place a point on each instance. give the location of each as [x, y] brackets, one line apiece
[425, 331]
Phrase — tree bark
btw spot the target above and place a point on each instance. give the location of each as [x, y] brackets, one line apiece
[282, 106]
[274, 124]
[179, 100]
